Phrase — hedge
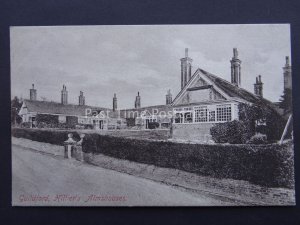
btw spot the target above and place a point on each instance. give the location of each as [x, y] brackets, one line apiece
[269, 165]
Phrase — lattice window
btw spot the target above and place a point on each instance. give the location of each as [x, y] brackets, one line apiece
[188, 117]
[224, 113]
[201, 114]
[178, 118]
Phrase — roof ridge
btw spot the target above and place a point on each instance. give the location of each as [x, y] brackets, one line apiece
[216, 76]
[58, 103]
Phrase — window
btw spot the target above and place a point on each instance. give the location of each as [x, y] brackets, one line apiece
[188, 117]
[224, 113]
[178, 118]
[201, 114]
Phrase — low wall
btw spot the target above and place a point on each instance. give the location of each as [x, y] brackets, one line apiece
[191, 132]
[270, 165]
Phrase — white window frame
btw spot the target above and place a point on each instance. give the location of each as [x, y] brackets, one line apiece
[226, 115]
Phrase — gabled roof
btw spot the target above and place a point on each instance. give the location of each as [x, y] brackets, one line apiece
[231, 91]
[227, 89]
[47, 107]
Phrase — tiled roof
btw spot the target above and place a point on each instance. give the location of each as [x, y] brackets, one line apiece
[58, 108]
[231, 89]
[237, 92]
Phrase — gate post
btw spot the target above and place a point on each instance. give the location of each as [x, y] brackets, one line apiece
[69, 146]
[79, 152]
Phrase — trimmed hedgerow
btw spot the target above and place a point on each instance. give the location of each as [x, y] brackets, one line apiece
[269, 165]
[56, 137]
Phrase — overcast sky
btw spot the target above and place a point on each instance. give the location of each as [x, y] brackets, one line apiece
[103, 60]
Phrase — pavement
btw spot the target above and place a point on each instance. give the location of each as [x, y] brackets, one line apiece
[40, 179]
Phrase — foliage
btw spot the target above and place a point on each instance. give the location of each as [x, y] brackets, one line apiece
[71, 121]
[258, 139]
[16, 105]
[46, 121]
[130, 122]
[262, 118]
[286, 101]
[255, 118]
[153, 125]
[234, 132]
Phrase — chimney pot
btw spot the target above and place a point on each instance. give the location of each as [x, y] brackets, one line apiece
[186, 52]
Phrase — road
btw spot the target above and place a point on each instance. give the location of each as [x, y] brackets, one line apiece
[40, 179]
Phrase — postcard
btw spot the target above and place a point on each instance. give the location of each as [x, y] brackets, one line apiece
[152, 115]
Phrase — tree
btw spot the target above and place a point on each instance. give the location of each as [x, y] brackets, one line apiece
[262, 118]
[16, 105]
[286, 101]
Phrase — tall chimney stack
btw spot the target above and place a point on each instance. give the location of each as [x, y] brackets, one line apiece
[287, 74]
[186, 68]
[137, 103]
[33, 94]
[81, 98]
[169, 98]
[235, 68]
[115, 102]
[64, 95]
[258, 86]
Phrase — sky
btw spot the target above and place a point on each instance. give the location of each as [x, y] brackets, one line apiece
[103, 60]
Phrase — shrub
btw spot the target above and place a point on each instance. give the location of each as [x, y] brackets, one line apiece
[46, 121]
[26, 124]
[71, 121]
[258, 139]
[262, 113]
[130, 122]
[153, 125]
[269, 165]
[234, 132]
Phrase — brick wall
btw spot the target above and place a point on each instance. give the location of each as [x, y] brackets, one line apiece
[192, 132]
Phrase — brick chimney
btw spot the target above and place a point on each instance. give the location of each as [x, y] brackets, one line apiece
[169, 98]
[64, 95]
[33, 94]
[287, 74]
[81, 99]
[235, 68]
[137, 103]
[186, 68]
[258, 86]
[115, 101]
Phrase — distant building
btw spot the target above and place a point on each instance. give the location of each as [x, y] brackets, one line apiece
[62, 115]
